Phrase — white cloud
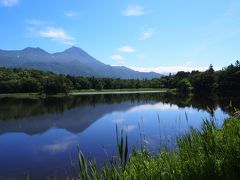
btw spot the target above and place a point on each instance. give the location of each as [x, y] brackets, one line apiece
[157, 106]
[129, 128]
[117, 57]
[58, 147]
[127, 49]
[61, 146]
[71, 13]
[134, 11]
[56, 34]
[147, 33]
[9, 3]
[46, 29]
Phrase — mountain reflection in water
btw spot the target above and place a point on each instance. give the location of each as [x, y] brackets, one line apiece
[39, 135]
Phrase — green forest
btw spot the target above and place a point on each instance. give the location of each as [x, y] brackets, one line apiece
[16, 80]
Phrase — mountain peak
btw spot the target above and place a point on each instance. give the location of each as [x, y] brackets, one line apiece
[34, 50]
[74, 50]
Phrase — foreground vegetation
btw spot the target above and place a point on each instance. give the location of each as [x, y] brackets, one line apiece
[17, 80]
[210, 153]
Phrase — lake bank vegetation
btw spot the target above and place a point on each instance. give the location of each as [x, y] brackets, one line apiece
[225, 81]
[209, 153]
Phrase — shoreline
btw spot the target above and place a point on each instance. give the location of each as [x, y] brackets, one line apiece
[87, 92]
[117, 92]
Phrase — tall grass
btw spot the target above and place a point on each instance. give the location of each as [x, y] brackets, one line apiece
[209, 153]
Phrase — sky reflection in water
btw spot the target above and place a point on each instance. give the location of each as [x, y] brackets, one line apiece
[40, 137]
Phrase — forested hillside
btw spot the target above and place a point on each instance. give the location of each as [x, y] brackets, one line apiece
[17, 80]
[24, 80]
[224, 81]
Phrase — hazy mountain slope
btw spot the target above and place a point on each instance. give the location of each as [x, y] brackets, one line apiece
[73, 61]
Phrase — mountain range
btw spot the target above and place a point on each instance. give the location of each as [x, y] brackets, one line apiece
[73, 61]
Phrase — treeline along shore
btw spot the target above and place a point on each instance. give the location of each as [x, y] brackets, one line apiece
[225, 81]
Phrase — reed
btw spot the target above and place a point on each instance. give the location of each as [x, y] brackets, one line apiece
[210, 152]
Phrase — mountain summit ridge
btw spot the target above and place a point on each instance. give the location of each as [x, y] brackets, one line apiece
[73, 61]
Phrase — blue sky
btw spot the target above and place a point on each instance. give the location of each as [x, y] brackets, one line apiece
[158, 35]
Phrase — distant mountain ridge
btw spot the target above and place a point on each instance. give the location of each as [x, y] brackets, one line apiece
[73, 61]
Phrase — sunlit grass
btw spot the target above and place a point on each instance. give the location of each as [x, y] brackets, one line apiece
[209, 153]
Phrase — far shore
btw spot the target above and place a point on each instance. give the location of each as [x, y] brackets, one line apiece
[118, 92]
[88, 92]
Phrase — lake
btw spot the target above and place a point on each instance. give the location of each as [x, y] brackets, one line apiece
[40, 137]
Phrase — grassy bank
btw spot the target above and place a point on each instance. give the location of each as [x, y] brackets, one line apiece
[20, 95]
[85, 92]
[210, 153]
[120, 90]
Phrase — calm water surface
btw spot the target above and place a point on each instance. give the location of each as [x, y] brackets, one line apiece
[39, 137]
